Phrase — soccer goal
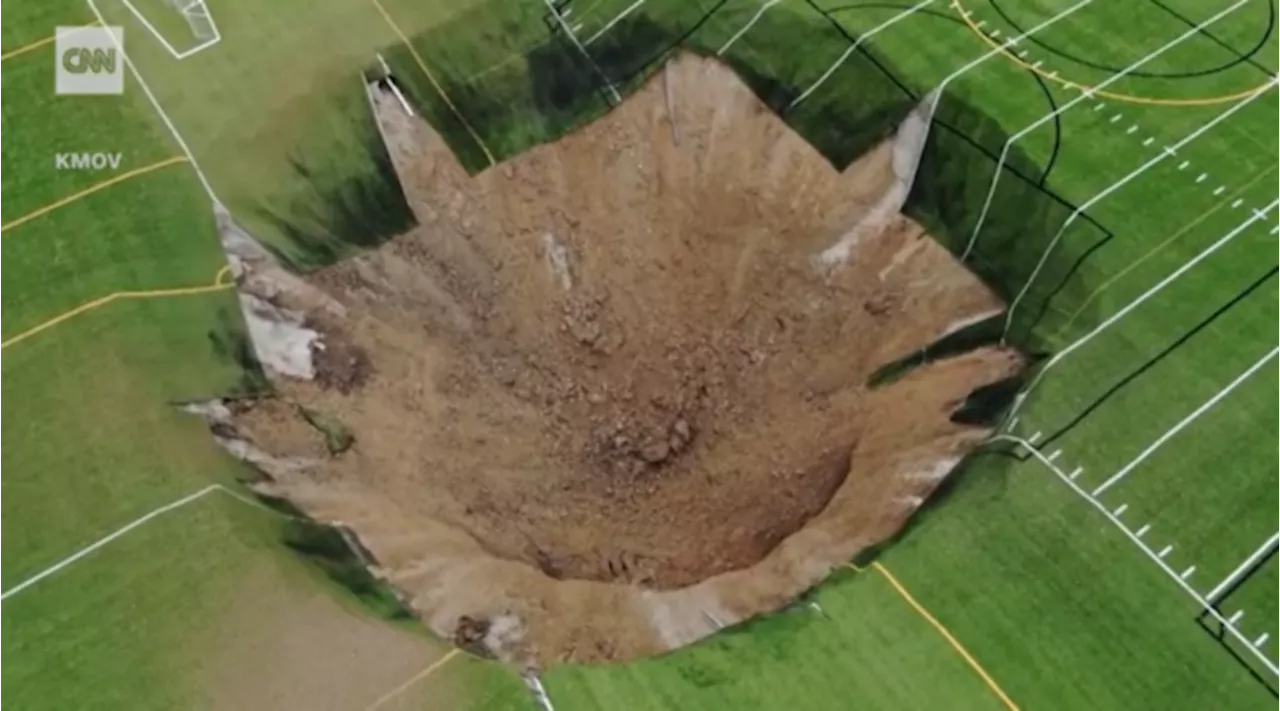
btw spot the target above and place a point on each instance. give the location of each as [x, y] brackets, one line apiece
[186, 23]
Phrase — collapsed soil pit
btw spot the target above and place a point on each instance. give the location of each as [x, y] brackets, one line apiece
[610, 395]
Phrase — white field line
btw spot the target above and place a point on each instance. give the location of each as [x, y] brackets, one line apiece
[217, 37]
[155, 103]
[137, 522]
[743, 31]
[104, 541]
[1085, 94]
[1138, 301]
[1164, 155]
[1003, 47]
[609, 25]
[1183, 423]
[613, 92]
[855, 45]
[1233, 576]
[1173, 575]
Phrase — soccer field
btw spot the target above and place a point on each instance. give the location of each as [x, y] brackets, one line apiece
[1109, 168]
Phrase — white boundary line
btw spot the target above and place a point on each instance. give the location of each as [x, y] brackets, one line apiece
[217, 36]
[609, 25]
[750, 23]
[613, 92]
[1173, 575]
[1057, 357]
[856, 44]
[1168, 152]
[1267, 545]
[155, 103]
[1182, 424]
[936, 95]
[81, 553]
[1085, 93]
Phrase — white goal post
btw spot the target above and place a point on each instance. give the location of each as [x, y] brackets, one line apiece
[199, 20]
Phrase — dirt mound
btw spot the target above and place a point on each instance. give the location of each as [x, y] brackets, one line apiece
[614, 388]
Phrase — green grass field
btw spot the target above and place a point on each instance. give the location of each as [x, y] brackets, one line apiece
[1056, 604]
[95, 440]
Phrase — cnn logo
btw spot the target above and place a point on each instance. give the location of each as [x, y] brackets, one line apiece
[89, 60]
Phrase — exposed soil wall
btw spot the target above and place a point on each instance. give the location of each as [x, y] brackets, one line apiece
[611, 395]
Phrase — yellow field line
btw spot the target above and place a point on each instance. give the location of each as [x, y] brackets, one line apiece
[218, 285]
[92, 189]
[36, 45]
[946, 634]
[431, 77]
[413, 680]
[1114, 96]
[1172, 238]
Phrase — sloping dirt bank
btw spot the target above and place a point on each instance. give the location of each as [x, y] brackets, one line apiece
[609, 396]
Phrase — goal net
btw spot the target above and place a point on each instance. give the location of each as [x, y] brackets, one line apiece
[198, 18]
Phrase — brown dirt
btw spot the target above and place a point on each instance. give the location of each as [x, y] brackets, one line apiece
[607, 387]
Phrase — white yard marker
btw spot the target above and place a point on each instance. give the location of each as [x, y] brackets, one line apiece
[1120, 509]
[1138, 301]
[1165, 551]
[1183, 165]
[1236, 617]
[1187, 573]
[1100, 106]
[1201, 178]
[1056, 453]
[1022, 53]
[1237, 203]
[1034, 438]
[1182, 424]
[1190, 591]
[609, 25]
[743, 31]
[1087, 94]
[1149, 141]
[1116, 118]
[1077, 472]
[1143, 531]
[858, 43]
[1013, 308]
[1013, 423]
[1219, 190]
[1132, 130]
[1261, 640]
[1044, 257]
[1037, 64]
[993, 34]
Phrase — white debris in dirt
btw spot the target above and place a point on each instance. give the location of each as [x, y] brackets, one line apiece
[503, 636]
[933, 471]
[539, 691]
[908, 144]
[216, 413]
[969, 321]
[913, 502]
[280, 340]
[682, 619]
[557, 260]
[213, 411]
